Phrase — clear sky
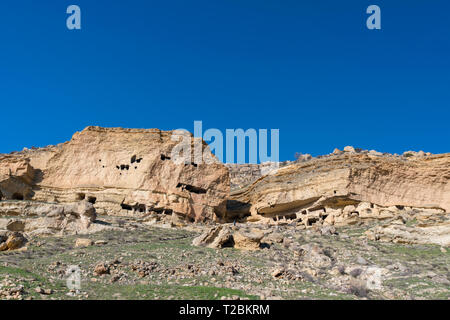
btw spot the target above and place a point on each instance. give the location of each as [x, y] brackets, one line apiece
[309, 68]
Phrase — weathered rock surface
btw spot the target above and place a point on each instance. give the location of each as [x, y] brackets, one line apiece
[433, 233]
[83, 242]
[16, 177]
[120, 171]
[11, 241]
[341, 188]
[216, 237]
[247, 240]
[46, 219]
[242, 175]
[224, 236]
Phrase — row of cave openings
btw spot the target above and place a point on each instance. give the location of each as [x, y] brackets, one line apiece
[142, 208]
[135, 160]
[164, 157]
[19, 196]
[313, 220]
[82, 196]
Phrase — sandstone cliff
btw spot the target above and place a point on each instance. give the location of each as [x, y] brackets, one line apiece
[120, 171]
[339, 182]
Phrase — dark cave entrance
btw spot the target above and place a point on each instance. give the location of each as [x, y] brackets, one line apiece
[81, 196]
[126, 207]
[17, 196]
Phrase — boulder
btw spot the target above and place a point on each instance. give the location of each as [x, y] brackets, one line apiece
[314, 255]
[349, 149]
[82, 242]
[247, 240]
[14, 241]
[225, 236]
[15, 225]
[273, 237]
[101, 269]
[216, 237]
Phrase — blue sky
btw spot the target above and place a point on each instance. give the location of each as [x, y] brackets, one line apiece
[309, 68]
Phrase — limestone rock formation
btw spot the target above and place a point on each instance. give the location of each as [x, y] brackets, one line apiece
[11, 241]
[225, 236]
[247, 240]
[120, 171]
[241, 175]
[337, 188]
[47, 219]
[16, 177]
[428, 233]
[216, 237]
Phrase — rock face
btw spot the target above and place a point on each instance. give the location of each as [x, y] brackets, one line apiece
[242, 175]
[430, 233]
[120, 171]
[216, 237]
[16, 178]
[246, 240]
[46, 219]
[224, 236]
[343, 185]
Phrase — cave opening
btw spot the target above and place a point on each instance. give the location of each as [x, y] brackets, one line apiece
[17, 196]
[81, 196]
[290, 216]
[164, 157]
[163, 211]
[126, 207]
[311, 221]
[229, 243]
[92, 200]
[191, 188]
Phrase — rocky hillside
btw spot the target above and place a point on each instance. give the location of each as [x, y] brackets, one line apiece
[351, 224]
[332, 184]
[120, 171]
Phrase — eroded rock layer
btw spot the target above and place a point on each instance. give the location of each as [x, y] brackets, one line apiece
[120, 171]
[337, 185]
